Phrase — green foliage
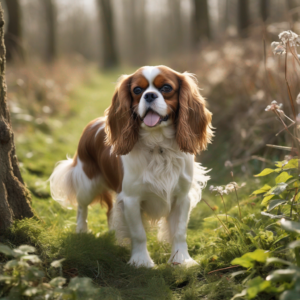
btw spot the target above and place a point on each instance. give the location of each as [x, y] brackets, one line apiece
[280, 281]
[262, 190]
[248, 260]
[23, 276]
[285, 189]
[265, 172]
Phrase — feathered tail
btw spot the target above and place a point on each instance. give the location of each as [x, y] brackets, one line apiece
[61, 183]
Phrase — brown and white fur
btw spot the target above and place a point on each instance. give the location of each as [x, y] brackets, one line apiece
[143, 150]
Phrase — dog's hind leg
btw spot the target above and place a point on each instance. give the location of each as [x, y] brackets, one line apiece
[84, 198]
[82, 213]
[86, 191]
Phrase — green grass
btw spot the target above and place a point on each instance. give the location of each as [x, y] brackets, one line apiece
[96, 254]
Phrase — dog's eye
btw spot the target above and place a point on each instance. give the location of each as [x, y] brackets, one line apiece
[166, 88]
[137, 90]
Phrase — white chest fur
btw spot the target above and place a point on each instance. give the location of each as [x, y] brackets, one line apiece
[157, 171]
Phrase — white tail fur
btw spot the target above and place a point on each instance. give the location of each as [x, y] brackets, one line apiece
[70, 185]
[61, 183]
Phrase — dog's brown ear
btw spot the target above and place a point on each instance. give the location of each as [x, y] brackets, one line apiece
[193, 124]
[122, 124]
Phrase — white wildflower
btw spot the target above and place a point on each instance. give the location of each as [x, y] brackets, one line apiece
[219, 189]
[229, 187]
[298, 99]
[225, 190]
[278, 48]
[287, 158]
[289, 37]
[228, 164]
[274, 106]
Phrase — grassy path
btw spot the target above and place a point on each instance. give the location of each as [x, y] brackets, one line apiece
[95, 254]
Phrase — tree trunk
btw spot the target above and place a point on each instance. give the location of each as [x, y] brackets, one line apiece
[136, 31]
[201, 21]
[50, 9]
[264, 12]
[175, 29]
[291, 5]
[110, 58]
[243, 17]
[13, 37]
[14, 197]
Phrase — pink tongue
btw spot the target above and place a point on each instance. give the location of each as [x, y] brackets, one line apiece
[151, 118]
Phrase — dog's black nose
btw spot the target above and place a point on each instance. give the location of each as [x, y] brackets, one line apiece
[149, 97]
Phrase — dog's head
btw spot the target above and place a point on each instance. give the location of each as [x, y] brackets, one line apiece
[154, 97]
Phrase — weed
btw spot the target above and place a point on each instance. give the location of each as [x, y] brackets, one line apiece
[283, 197]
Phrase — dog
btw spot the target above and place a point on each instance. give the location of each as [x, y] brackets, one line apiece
[143, 150]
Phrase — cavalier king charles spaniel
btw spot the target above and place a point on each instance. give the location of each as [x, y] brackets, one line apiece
[143, 150]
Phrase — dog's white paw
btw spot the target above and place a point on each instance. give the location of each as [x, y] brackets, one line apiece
[82, 228]
[141, 259]
[182, 258]
[189, 263]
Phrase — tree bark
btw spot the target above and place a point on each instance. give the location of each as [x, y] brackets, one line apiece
[50, 9]
[110, 58]
[243, 17]
[14, 197]
[136, 31]
[13, 36]
[264, 11]
[201, 21]
[175, 30]
[291, 5]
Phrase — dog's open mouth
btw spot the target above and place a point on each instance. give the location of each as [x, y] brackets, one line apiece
[152, 118]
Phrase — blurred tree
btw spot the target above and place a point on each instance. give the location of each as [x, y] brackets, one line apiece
[291, 5]
[243, 17]
[51, 50]
[264, 9]
[175, 26]
[110, 58]
[14, 197]
[201, 26]
[13, 36]
[135, 18]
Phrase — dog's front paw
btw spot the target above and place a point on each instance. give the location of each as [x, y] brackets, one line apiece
[81, 228]
[189, 262]
[182, 258]
[141, 259]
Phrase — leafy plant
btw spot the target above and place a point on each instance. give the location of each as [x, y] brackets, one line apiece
[23, 277]
[285, 192]
[284, 281]
[280, 201]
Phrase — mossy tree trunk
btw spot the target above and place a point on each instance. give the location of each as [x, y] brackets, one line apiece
[14, 197]
[13, 37]
[106, 16]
